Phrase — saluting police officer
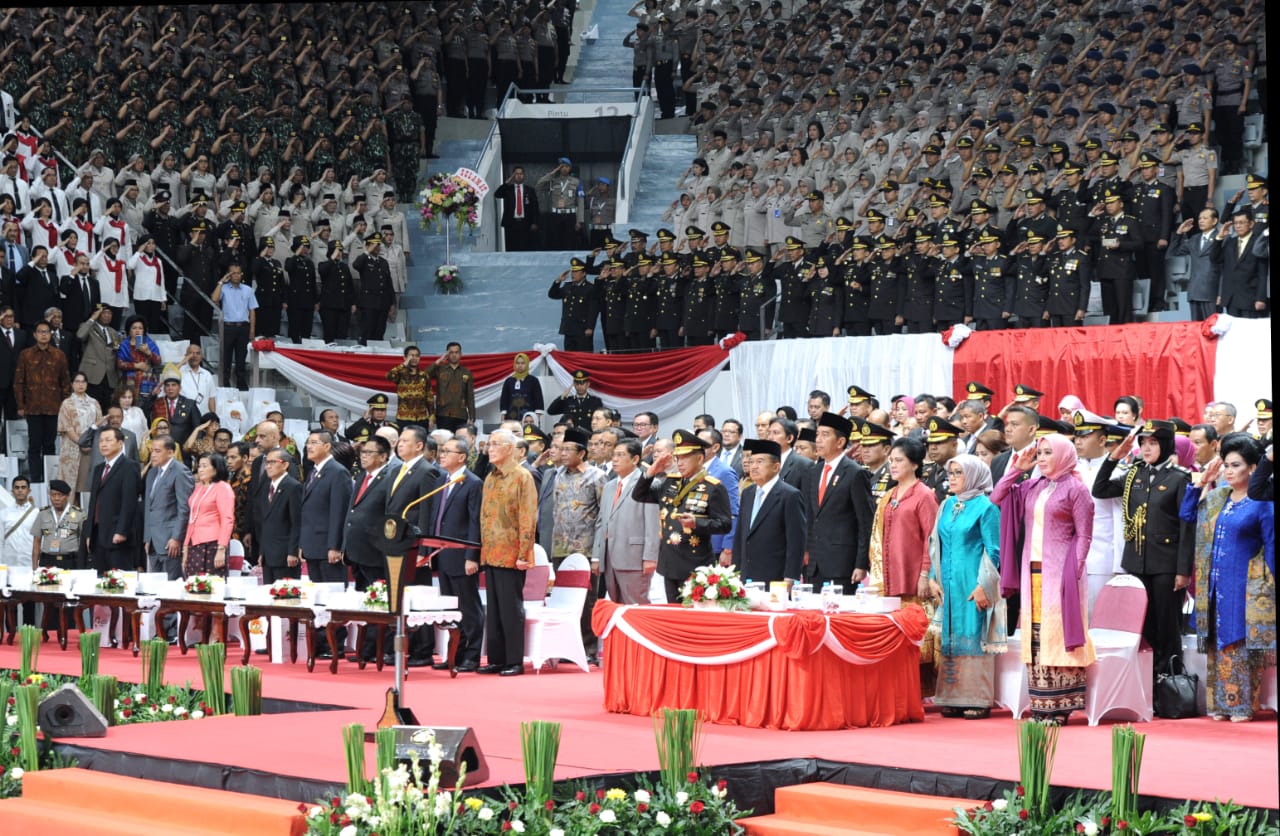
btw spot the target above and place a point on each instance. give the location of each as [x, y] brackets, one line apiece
[1070, 272]
[693, 505]
[562, 193]
[579, 306]
[1159, 546]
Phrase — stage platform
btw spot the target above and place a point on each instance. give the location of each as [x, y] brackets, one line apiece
[298, 755]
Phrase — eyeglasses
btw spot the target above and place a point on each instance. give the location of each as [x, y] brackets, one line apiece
[273, 461]
[370, 452]
[453, 452]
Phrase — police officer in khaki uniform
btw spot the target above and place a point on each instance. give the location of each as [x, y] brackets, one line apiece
[56, 531]
[599, 212]
[1197, 173]
[562, 201]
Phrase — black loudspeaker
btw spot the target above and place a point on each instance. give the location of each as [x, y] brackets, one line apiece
[67, 712]
[460, 747]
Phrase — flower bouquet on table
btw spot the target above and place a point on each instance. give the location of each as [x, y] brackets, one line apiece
[285, 589]
[448, 196]
[375, 597]
[199, 585]
[112, 581]
[447, 280]
[47, 576]
[715, 587]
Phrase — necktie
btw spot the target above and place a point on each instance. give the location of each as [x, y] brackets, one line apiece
[171, 408]
[315, 474]
[106, 468]
[57, 209]
[519, 201]
[364, 486]
[822, 486]
[617, 492]
[444, 500]
[1240, 249]
[755, 508]
[404, 468]
[8, 335]
[1204, 243]
[271, 494]
[8, 256]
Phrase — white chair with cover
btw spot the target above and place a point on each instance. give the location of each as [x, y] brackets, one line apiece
[535, 587]
[1011, 679]
[553, 631]
[1121, 677]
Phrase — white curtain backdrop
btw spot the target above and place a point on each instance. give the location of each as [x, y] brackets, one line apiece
[765, 375]
[668, 404]
[1242, 372]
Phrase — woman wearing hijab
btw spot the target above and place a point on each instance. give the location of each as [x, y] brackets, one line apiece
[520, 392]
[1045, 539]
[964, 577]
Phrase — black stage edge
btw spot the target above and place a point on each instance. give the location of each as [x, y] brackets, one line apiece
[750, 785]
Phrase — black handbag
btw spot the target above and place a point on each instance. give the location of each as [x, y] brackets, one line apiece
[1175, 697]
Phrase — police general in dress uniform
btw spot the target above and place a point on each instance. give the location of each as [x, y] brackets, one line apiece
[361, 430]
[693, 505]
[579, 306]
[1070, 272]
[577, 404]
[1120, 241]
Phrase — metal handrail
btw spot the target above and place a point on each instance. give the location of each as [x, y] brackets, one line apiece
[775, 298]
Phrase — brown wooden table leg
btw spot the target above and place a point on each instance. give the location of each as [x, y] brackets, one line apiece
[111, 624]
[453, 650]
[245, 623]
[360, 634]
[331, 634]
[62, 626]
[311, 646]
[293, 640]
[135, 630]
[182, 631]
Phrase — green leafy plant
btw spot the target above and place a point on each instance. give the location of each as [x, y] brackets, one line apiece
[213, 660]
[1126, 764]
[678, 732]
[246, 690]
[102, 690]
[154, 653]
[29, 637]
[353, 744]
[1037, 744]
[27, 700]
[90, 648]
[540, 743]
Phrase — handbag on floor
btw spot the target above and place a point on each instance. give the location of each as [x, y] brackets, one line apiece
[1175, 696]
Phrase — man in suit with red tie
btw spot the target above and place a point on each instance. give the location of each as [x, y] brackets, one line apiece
[363, 521]
[770, 540]
[113, 505]
[838, 504]
[519, 211]
[456, 514]
[627, 532]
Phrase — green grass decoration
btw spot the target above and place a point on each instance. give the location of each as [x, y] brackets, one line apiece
[678, 732]
[154, 653]
[246, 691]
[213, 660]
[1126, 764]
[90, 648]
[30, 637]
[385, 749]
[540, 743]
[27, 702]
[353, 743]
[1037, 744]
[102, 690]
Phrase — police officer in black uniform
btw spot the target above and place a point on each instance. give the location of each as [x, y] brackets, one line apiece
[304, 290]
[374, 418]
[577, 403]
[793, 310]
[876, 441]
[579, 306]
[1119, 242]
[695, 319]
[638, 321]
[755, 287]
[669, 288]
[1031, 282]
[917, 278]
[1159, 547]
[1070, 272]
[992, 284]
[952, 285]
[269, 287]
[1153, 206]
[884, 291]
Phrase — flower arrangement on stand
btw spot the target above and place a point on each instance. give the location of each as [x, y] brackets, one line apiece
[447, 281]
[112, 581]
[285, 589]
[199, 585]
[47, 576]
[375, 597]
[715, 587]
[448, 196]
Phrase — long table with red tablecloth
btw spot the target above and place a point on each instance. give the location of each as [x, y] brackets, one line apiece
[796, 670]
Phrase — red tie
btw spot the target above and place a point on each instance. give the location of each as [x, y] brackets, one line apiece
[171, 407]
[106, 468]
[271, 495]
[368, 477]
[822, 486]
[519, 201]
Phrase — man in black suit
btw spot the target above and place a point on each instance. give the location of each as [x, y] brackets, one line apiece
[1246, 286]
[456, 514]
[363, 521]
[783, 432]
[411, 480]
[80, 294]
[113, 505]
[519, 211]
[277, 519]
[36, 287]
[839, 509]
[325, 499]
[63, 340]
[267, 439]
[12, 341]
[181, 412]
[1020, 424]
[770, 538]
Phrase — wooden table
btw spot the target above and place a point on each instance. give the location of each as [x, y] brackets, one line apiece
[50, 596]
[120, 604]
[381, 620]
[293, 612]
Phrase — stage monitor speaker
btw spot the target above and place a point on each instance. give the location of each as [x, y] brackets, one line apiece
[460, 747]
[67, 712]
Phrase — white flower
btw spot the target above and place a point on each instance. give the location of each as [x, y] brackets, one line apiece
[662, 818]
[16, 773]
[682, 797]
[555, 831]
[179, 711]
[642, 796]
[349, 830]
[11, 720]
[1000, 804]
[167, 708]
[517, 826]
[485, 814]
[1090, 829]
[710, 594]
[608, 816]
[315, 812]
[197, 714]
[442, 804]
[720, 793]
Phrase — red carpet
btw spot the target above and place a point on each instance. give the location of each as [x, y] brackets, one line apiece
[1185, 759]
